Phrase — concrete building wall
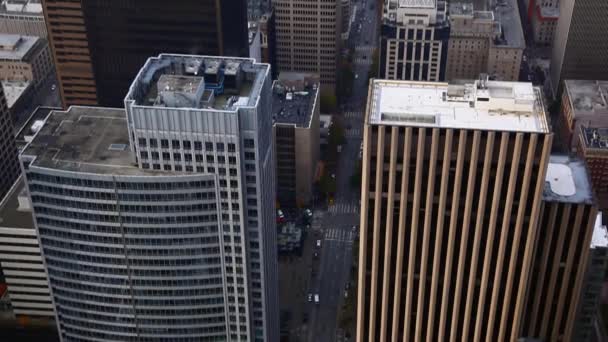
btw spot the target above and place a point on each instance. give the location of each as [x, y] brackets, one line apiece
[28, 25]
[445, 251]
[308, 37]
[35, 66]
[9, 167]
[504, 62]
[467, 56]
[307, 156]
[21, 259]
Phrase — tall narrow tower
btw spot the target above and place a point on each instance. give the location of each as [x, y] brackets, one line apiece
[453, 177]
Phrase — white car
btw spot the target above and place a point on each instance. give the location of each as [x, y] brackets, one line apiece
[356, 76]
[310, 297]
[319, 243]
[317, 299]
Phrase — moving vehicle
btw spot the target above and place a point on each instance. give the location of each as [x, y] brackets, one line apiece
[310, 297]
[280, 216]
[319, 243]
[317, 299]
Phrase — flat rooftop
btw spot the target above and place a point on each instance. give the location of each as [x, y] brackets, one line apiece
[567, 181]
[506, 13]
[595, 138]
[294, 106]
[587, 96]
[26, 129]
[485, 105]
[199, 82]
[21, 6]
[10, 215]
[13, 90]
[15, 46]
[85, 139]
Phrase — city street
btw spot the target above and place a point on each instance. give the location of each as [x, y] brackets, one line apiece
[338, 222]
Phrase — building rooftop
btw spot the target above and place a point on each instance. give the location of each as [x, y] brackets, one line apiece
[595, 138]
[15, 210]
[200, 82]
[16, 47]
[600, 233]
[567, 181]
[85, 139]
[506, 12]
[13, 90]
[31, 125]
[482, 104]
[587, 96]
[21, 6]
[294, 98]
[418, 3]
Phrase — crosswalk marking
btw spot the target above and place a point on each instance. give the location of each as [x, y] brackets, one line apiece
[344, 208]
[339, 234]
[353, 114]
[353, 132]
[363, 61]
[368, 48]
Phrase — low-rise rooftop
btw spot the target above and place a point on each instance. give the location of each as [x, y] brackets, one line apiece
[199, 82]
[587, 96]
[27, 129]
[595, 138]
[84, 139]
[506, 12]
[599, 239]
[294, 99]
[567, 181]
[15, 209]
[16, 47]
[482, 104]
[21, 6]
[13, 90]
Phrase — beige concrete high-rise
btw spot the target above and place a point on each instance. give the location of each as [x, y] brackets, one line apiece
[308, 36]
[484, 39]
[446, 247]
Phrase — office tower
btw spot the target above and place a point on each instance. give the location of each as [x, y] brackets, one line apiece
[583, 103]
[25, 58]
[295, 110]
[445, 245]
[586, 326]
[543, 16]
[262, 40]
[22, 17]
[579, 52]
[413, 41]
[593, 148]
[98, 46]
[566, 225]
[345, 16]
[20, 257]
[212, 115]
[486, 39]
[308, 38]
[9, 165]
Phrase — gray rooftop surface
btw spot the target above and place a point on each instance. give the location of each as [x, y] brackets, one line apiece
[507, 13]
[24, 125]
[29, 7]
[595, 138]
[242, 82]
[298, 110]
[567, 181]
[85, 139]
[16, 47]
[10, 217]
[587, 96]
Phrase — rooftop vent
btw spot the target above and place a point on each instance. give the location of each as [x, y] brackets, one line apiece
[117, 147]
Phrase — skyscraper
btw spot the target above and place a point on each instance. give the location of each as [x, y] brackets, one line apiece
[9, 163]
[579, 52]
[213, 116]
[446, 241]
[99, 46]
[159, 224]
[308, 37]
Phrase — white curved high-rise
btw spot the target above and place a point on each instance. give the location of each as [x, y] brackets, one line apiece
[158, 225]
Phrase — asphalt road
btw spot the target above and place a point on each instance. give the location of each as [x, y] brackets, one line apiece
[334, 264]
